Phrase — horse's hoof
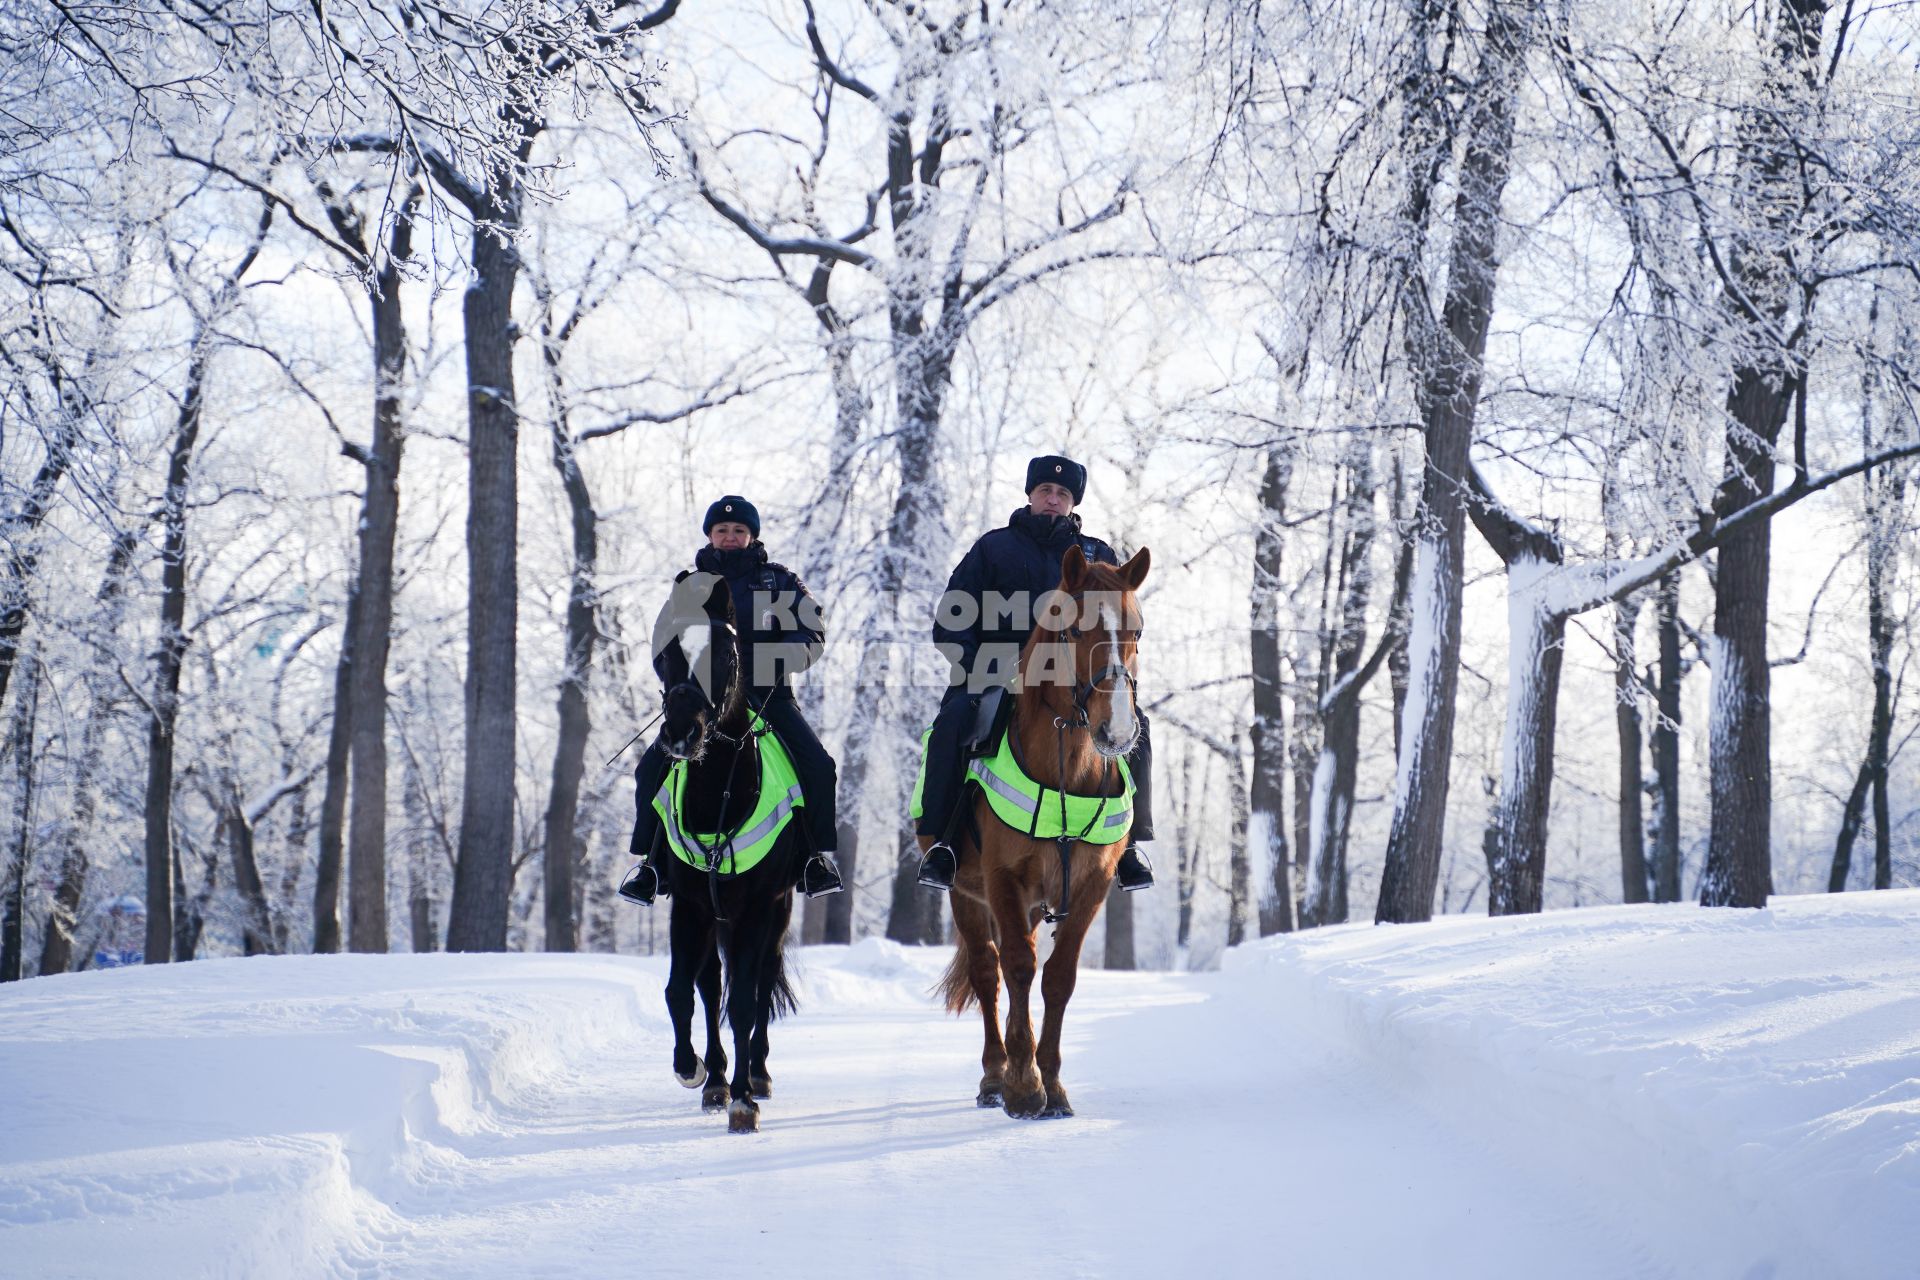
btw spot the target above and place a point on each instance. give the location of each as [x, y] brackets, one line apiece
[1025, 1108]
[714, 1098]
[760, 1087]
[989, 1096]
[743, 1116]
[1056, 1111]
[694, 1081]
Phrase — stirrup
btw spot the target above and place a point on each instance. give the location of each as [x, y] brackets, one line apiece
[938, 865]
[819, 877]
[643, 883]
[1135, 872]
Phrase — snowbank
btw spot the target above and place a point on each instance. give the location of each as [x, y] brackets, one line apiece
[1745, 1084]
[1658, 1092]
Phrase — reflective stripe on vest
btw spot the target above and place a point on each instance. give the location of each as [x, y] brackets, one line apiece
[742, 849]
[1034, 810]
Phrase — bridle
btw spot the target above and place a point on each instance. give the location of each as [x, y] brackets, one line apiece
[722, 850]
[1083, 691]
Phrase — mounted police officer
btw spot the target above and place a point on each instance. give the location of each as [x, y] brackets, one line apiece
[981, 626]
[781, 633]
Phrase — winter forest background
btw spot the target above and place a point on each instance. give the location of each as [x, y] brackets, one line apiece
[1494, 381]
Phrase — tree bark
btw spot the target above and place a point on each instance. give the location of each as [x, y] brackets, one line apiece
[1267, 829]
[1761, 266]
[367, 683]
[1626, 723]
[1516, 837]
[483, 875]
[256, 916]
[1886, 506]
[20, 529]
[1241, 911]
[56, 952]
[563, 845]
[168, 661]
[1850, 817]
[1330, 798]
[333, 796]
[1666, 747]
[13, 932]
[1448, 369]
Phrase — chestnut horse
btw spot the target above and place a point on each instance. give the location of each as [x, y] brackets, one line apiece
[1073, 718]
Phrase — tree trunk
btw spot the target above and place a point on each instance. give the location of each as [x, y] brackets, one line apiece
[1267, 827]
[483, 875]
[377, 534]
[20, 529]
[56, 952]
[13, 932]
[1761, 265]
[190, 913]
[914, 916]
[1188, 870]
[256, 915]
[168, 661]
[423, 935]
[869, 698]
[921, 362]
[1850, 816]
[1516, 876]
[1448, 368]
[367, 686]
[1626, 723]
[1240, 907]
[1666, 747]
[333, 798]
[570, 750]
[1886, 509]
[1330, 789]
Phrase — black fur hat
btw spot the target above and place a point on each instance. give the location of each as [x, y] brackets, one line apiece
[737, 509]
[1065, 472]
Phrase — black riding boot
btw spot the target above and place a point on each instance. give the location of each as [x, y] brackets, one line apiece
[937, 866]
[644, 882]
[1134, 872]
[820, 877]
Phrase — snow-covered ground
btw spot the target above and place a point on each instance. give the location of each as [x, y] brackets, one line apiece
[1655, 1091]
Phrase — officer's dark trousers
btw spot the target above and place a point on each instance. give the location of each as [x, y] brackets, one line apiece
[819, 778]
[946, 769]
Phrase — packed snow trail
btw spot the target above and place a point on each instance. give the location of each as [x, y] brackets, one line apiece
[1614, 1092]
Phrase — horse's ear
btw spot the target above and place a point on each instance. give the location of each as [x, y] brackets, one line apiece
[1073, 570]
[1134, 571]
[720, 601]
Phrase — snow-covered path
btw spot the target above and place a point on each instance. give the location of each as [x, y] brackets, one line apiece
[1309, 1112]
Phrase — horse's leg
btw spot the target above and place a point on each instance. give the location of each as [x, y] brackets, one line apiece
[714, 1096]
[690, 941]
[744, 961]
[973, 924]
[1056, 987]
[772, 974]
[1021, 1091]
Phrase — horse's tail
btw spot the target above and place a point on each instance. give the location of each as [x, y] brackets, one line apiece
[784, 1001]
[955, 987]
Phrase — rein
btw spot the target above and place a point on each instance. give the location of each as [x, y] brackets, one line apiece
[1082, 694]
[722, 849]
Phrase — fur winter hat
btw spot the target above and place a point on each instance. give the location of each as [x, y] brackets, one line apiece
[1064, 472]
[733, 508]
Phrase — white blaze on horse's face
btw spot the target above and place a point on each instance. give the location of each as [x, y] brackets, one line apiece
[694, 639]
[1116, 735]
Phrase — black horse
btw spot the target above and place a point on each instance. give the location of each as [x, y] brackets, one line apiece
[736, 921]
